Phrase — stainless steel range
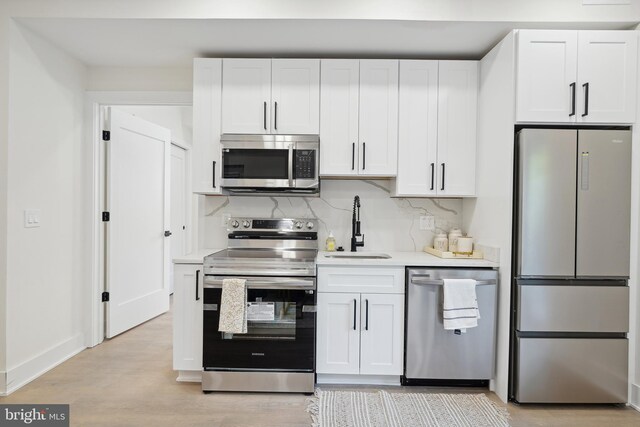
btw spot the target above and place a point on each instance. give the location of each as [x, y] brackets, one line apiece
[277, 259]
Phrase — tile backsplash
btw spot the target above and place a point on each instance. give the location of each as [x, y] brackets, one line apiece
[389, 224]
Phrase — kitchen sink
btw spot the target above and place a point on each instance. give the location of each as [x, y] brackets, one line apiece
[359, 256]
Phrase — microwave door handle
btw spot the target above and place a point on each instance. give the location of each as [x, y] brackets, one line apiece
[290, 165]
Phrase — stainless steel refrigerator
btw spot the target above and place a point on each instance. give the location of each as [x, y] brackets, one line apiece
[570, 302]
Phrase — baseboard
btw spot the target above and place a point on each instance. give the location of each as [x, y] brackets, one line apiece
[358, 379]
[189, 376]
[634, 400]
[27, 371]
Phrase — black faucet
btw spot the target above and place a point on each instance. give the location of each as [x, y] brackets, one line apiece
[357, 239]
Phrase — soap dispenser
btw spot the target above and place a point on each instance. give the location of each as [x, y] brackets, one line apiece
[331, 243]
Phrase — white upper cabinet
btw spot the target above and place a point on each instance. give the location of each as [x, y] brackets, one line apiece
[378, 128]
[607, 65]
[262, 96]
[339, 88]
[437, 128]
[246, 95]
[417, 128]
[576, 76]
[546, 68]
[207, 111]
[359, 117]
[295, 96]
[457, 111]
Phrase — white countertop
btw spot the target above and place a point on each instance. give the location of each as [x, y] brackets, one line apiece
[403, 259]
[195, 257]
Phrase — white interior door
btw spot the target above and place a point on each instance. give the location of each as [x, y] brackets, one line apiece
[178, 207]
[137, 197]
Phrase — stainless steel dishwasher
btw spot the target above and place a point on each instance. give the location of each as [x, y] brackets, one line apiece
[437, 356]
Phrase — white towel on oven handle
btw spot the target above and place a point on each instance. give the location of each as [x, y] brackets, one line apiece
[233, 306]
[460, 304]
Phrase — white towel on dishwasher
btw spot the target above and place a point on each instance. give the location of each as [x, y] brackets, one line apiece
[233, 306]
[460, 305]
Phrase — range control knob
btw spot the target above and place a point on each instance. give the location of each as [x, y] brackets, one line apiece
[246, 223]
[235, 224]
[299, 225]
[309, 225]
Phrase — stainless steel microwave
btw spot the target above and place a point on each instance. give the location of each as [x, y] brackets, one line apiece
[275, 164]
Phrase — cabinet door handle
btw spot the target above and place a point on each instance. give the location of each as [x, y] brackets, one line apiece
[442, 188]
[353, 156]
[214, 174]
[364, 155]
[197, 285]
[264, 115]
[433, 171]
[573, 99]
[366, 316]
[354, 314]
[275, 116]
[586, 99]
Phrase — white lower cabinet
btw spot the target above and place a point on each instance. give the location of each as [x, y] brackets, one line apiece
[359, 333]
[187, 321]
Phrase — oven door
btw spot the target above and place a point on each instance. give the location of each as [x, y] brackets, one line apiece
[280, 327]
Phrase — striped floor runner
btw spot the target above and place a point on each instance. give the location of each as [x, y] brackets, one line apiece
[383, 409]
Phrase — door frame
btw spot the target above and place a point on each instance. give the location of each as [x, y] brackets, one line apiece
[188, 208]
[94, 120]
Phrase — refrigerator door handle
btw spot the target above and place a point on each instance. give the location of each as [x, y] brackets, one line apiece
[584, 173]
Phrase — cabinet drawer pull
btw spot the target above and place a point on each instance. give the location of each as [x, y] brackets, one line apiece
[214, 174]
[197, 285]
[354, 314]
[264, 115]
[586, 99]
[573, 99]
[442, 188]
[366, 316]
[433, 171]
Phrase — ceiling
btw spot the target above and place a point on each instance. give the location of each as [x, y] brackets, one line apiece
[175, 42]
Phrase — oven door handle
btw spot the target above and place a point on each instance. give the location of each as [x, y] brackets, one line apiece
[265, 283]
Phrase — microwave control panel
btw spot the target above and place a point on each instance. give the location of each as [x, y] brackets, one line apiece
[305, 164]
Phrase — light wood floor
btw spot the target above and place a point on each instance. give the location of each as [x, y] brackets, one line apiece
[128, 381]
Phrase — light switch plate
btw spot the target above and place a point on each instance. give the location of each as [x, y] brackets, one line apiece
[427, 222]
[32, 218]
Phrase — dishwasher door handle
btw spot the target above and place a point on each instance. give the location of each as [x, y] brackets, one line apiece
[440, 282]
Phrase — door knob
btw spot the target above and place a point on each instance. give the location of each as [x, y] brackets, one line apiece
[167, 233]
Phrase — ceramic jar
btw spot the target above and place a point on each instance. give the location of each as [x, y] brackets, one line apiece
[441, 243]
[454, 234]
[465, 245]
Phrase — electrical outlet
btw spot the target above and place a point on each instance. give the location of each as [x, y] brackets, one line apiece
[427, 222]
[32, 218]
[225, 219]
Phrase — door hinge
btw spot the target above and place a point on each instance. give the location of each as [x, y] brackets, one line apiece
[106, 135]
[105, 297]
[106, 216]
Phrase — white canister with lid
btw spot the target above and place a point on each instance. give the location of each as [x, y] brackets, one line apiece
[440, 242]
[454, 233]
[465, 245]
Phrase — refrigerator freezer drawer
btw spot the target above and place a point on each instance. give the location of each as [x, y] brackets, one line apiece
[435, 353]
[571, 370]
[557, 308]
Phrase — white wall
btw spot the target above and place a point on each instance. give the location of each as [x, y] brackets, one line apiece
[46, 265]
[389, 224]
[177, 118]
[140, 79]
[489, 216]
